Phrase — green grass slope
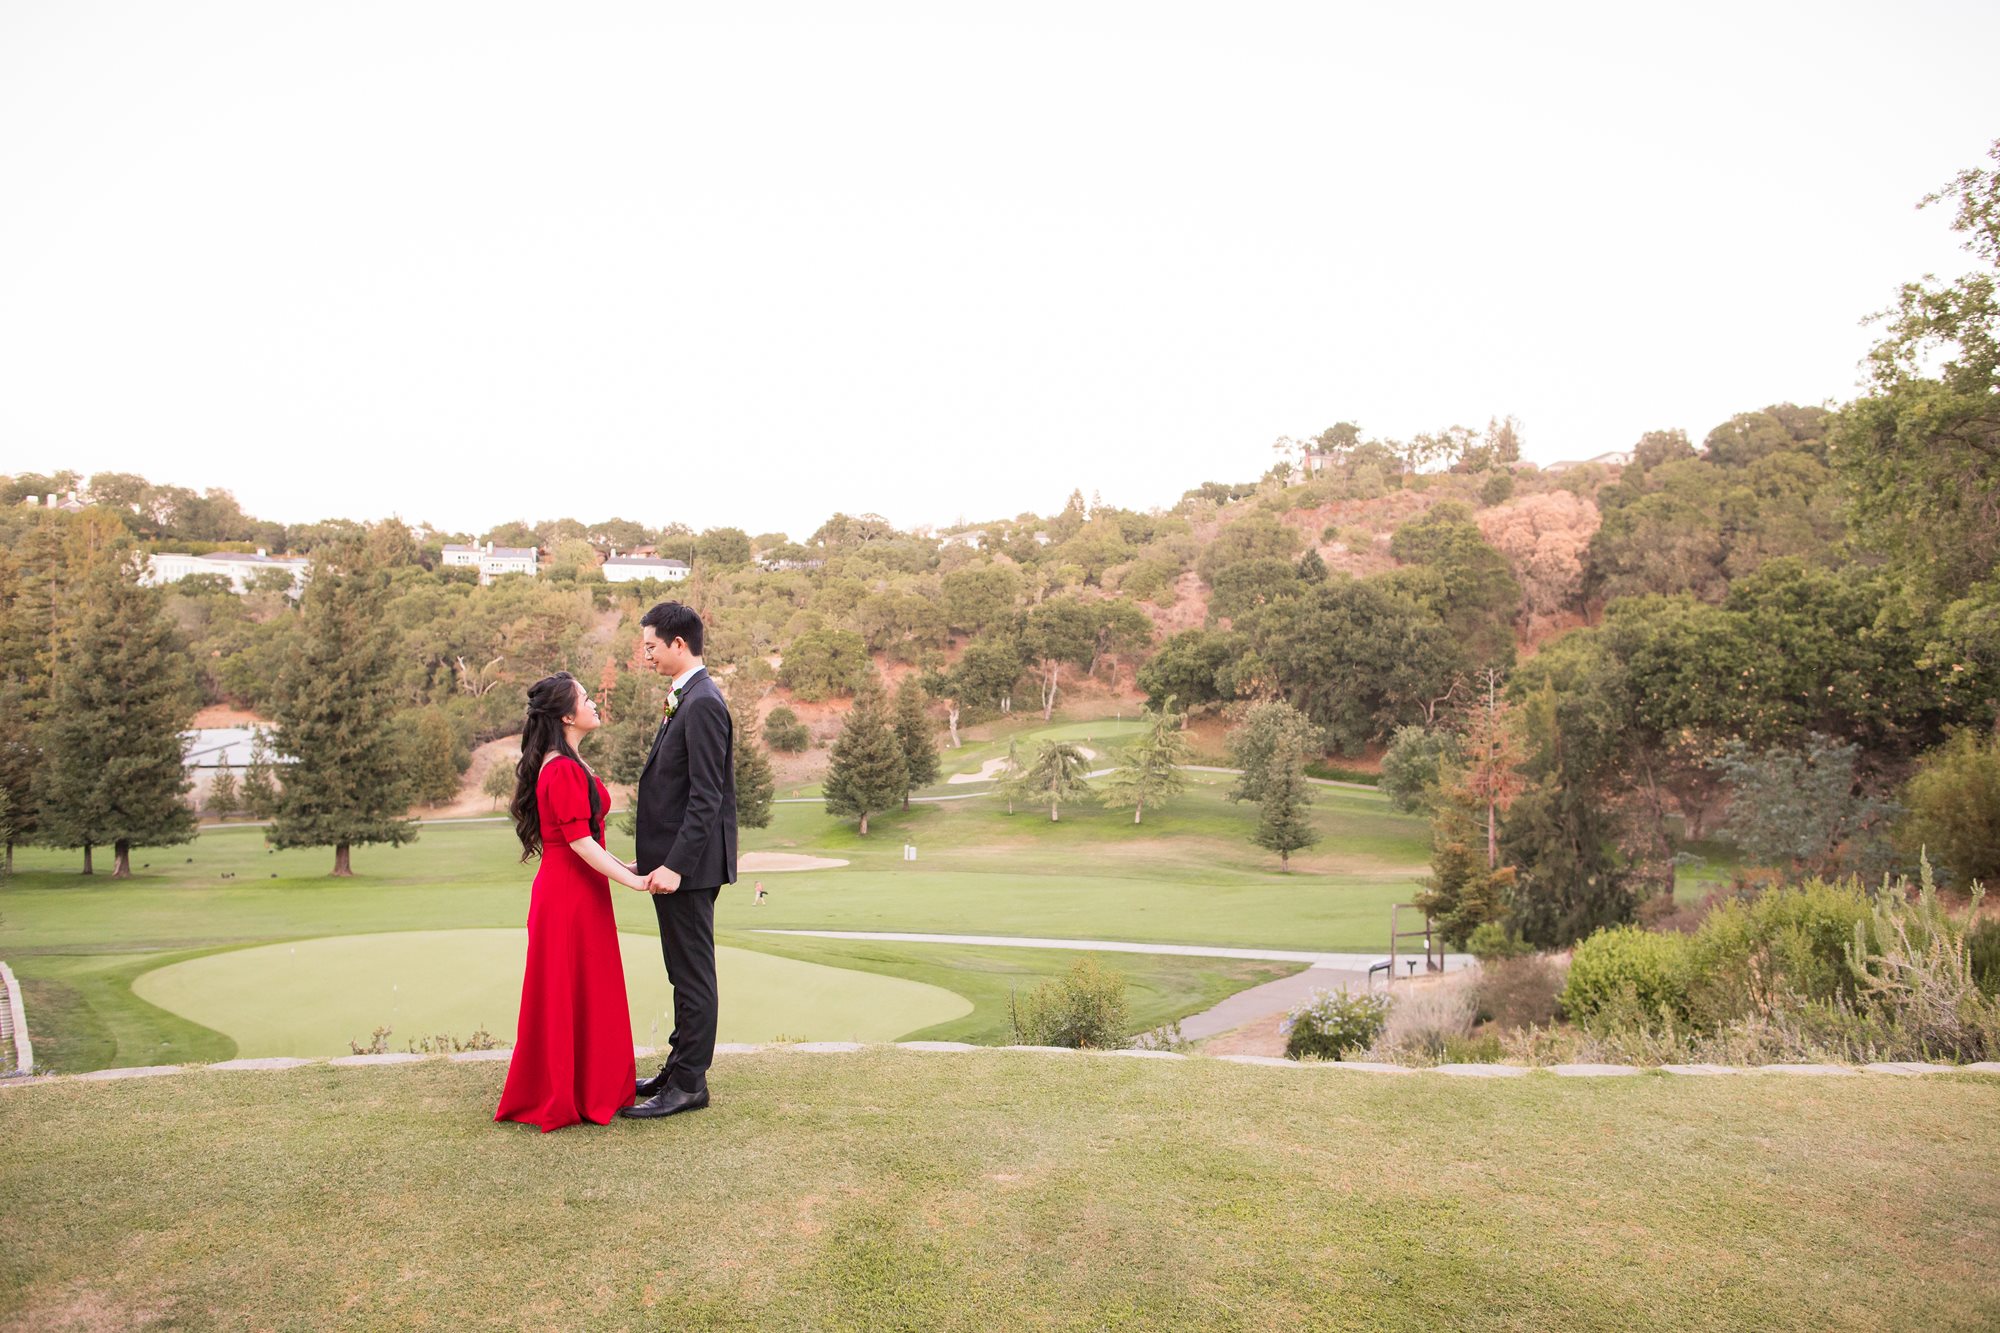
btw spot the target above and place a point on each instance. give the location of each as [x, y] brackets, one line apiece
[901, 1190]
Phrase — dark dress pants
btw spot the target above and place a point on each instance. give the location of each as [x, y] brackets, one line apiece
[687, 938]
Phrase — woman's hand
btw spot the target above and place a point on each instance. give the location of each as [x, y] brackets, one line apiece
[592, 853]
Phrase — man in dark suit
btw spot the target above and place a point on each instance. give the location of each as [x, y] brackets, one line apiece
[687, 849]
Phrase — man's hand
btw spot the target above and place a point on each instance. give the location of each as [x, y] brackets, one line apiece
[663, 880]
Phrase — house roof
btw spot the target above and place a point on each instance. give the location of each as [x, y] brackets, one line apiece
[225, 747]
[250, 558]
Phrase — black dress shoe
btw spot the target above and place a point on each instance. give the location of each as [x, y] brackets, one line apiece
[669, 1101]
[646, 1087]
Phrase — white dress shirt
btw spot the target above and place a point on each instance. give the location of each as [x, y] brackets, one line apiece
[680, 683]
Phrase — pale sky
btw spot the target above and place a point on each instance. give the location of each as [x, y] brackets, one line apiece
[467, 262]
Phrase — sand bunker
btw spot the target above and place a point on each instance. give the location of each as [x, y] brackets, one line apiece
[768, 863]
[990, 770]
[987, 772]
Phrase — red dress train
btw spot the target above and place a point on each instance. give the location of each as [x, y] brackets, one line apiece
[573, 1045]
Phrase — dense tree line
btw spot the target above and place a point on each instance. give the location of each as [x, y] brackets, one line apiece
[1798, 645]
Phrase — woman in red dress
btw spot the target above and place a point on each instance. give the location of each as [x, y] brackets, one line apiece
[573, 1045]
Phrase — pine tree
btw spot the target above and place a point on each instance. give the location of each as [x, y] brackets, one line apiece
[260, 782]
[1463, 891]
[42, 582]
[222, 794]
[433, 757]
[114, 768]
[627, 741]
[23, 689]
[1493, 755]
[915, 734]
[1057, 776]
[1285, 825]
[867, 773]
[336, 719]
[1152, 770]
[755, 783]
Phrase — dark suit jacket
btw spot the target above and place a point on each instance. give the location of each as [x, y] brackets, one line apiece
[687, 792]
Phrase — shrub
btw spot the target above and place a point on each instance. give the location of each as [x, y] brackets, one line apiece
[1952, 808]
[1629, 968]
[1084, 1009]
[1918, 978]
[1332, 1023]
[1791, 940]
[1491, 942]
[1982, 942]
[1414, 763]
[1425, 1019]
[1516, 993]
[1485, 1049]
[784, 732]
[1497, 487]
[1762, 992]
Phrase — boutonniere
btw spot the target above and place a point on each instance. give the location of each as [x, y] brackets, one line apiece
[667, 713]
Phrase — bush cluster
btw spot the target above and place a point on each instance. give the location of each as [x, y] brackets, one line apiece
[1084, 1009]
[1628, 966]
[1429, 1022]
[1813, 971]
[1332, 1023]
[1793, 940]
[784, 732]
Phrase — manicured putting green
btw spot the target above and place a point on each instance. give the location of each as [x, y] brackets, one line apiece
[313, 997]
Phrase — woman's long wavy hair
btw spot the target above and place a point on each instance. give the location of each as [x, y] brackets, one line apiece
[550, 700]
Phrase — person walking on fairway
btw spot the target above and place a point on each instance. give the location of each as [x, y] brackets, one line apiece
[686, 847]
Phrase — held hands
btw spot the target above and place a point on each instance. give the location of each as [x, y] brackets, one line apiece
[661, 880]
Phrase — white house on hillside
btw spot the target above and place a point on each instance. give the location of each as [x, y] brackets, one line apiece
[492, 561]
[633, 568]
[211, 751]
[238, 568]
[68, 504]
[1311, 463]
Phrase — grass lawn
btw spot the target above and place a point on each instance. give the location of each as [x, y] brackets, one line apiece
[1159, 987]
[315, 997]
[1188, 874]
[895, 1189]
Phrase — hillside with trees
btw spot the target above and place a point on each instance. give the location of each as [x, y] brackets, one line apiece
[1803, 586]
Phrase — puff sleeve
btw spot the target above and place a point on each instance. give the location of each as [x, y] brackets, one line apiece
[562, 790]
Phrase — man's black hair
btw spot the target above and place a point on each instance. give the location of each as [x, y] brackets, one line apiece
[671, 620]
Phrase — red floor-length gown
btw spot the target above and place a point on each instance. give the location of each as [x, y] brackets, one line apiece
[573, 1046]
